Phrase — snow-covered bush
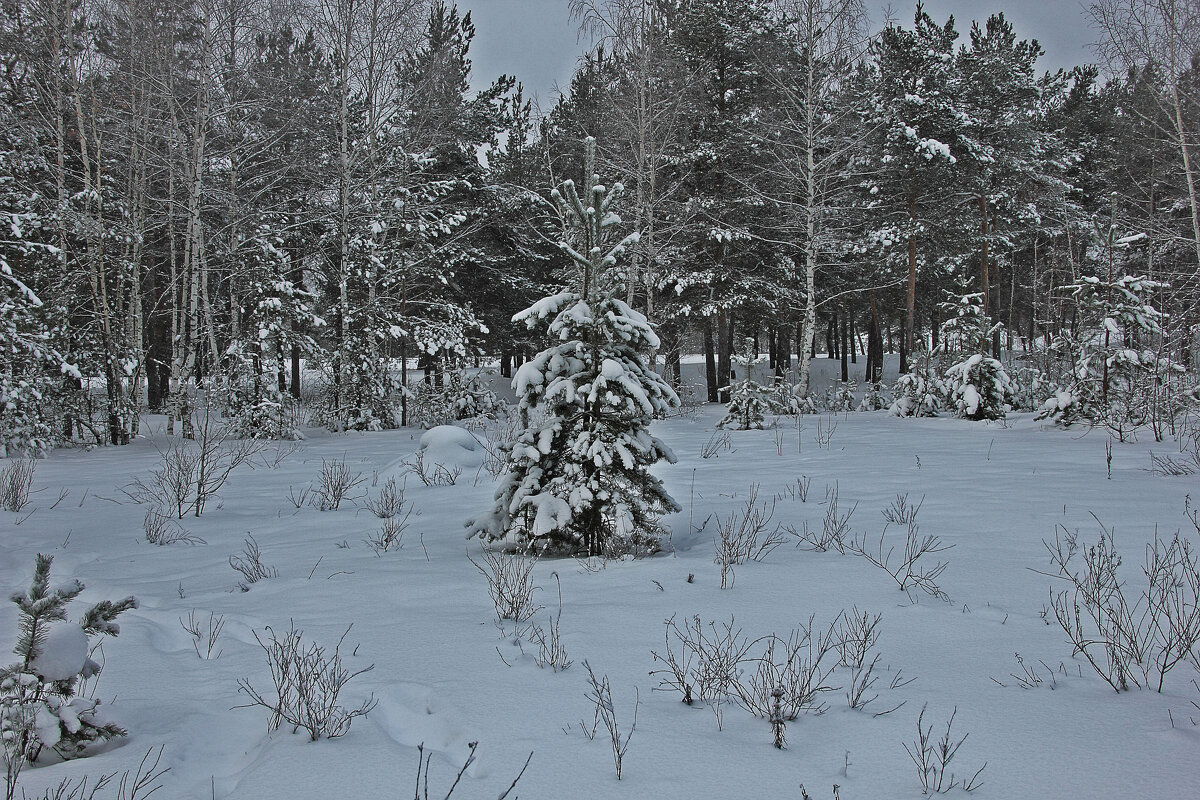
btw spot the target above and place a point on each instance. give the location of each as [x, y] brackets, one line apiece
[460, 396]
[1063, 408]
[978, 388]
[41, 707]
[472, 396]
[255, 408]
[372, 403]
[429, 405]
[16, 479]
[579, 480]
[810, 404]
[873, 398]
[1028, 388]
[920, 393]
[308, 680]
[840, 396]
[749, 401]
[779, 396]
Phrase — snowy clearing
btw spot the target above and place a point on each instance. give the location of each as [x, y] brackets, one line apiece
[444, 675]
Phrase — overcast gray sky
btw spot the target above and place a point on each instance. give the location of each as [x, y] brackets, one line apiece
[536, 40]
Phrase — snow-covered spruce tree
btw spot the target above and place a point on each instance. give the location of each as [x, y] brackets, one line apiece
[841, 396]
[749, 401]
[977, 386]
[274, 316]
[578, 481]
[31, 369]
[40, 704]
[919, 393]
[1115, 374]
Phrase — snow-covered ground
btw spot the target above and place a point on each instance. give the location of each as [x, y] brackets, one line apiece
[444, 676]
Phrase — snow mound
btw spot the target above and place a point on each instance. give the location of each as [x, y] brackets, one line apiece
[450, 445]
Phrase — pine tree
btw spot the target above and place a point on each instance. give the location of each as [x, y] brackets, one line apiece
[273, 316]
[731, 265]
[578, 478]
[749, 400]
[39, 702]
[979, 388]
[1117, 378]
[31, 368]
[1001, 148]
[916, 128]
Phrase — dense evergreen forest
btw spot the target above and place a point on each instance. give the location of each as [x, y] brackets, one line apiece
[295, 204]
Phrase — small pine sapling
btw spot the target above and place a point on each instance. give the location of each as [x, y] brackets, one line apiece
[873, 398]
[919, 393]
[40, 707]
[842, 396]
[1116, 379]
[749, 401]
[778, 724]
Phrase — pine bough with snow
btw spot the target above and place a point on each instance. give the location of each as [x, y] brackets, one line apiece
[32, 371]
[41, 705]
[578, 481]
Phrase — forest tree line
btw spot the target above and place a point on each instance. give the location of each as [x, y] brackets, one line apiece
[247, 195]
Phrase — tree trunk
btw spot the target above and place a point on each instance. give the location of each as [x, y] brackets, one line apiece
[724, 354]
[854, 343]
[844, 327]
[783, 353]
[910, 316]
[673, 347]
[874, 345]
[710, 362]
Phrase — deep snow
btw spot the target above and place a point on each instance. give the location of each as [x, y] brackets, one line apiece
[422, 616]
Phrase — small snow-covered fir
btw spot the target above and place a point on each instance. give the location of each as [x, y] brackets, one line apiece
[578, 479]
[920, 393]
[749, 400]
[979, 388]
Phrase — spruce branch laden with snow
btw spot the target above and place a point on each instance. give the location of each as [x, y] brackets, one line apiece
[578, 480]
